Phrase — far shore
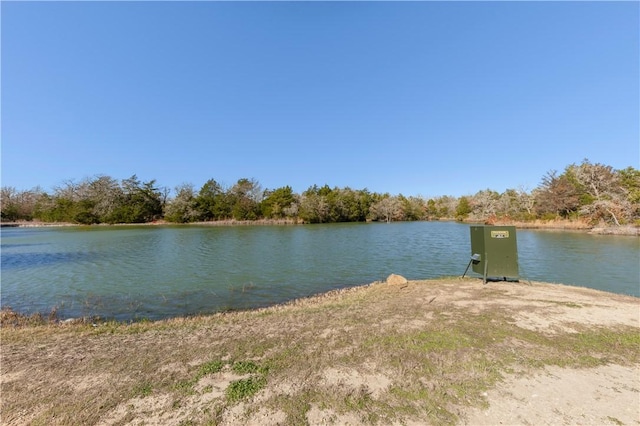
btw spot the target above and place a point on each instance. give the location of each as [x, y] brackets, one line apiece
[554, 225]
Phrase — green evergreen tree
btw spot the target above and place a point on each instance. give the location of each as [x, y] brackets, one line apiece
[463, 209]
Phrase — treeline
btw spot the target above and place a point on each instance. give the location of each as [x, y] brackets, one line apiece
[593, 192]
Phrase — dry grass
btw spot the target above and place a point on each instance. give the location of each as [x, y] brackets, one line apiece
[379, 354]
[568, 225]
[563, 224]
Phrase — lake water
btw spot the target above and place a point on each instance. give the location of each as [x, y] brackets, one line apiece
[163, 271]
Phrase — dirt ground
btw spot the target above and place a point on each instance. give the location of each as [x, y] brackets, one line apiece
[44, 369]
[562, 396]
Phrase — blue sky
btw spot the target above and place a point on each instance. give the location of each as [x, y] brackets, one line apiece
[413, 98]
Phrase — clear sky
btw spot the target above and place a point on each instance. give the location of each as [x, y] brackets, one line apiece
[413, 98]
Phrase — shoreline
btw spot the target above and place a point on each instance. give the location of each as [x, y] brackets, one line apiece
[561, 226]
[437, 351]
[14, 319]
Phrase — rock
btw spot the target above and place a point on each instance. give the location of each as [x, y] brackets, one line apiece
[396, 279]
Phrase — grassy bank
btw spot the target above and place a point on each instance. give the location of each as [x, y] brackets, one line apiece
[423, 352]
[569, 225]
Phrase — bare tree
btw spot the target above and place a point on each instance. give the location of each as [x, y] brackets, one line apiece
[388, 209]
[8, 203]
[248, 188]
[292, 210]
[606, 198]
[18, 205]
[69, 190]
[313, 208]
[485, 204]
[526, 200]
[183, 208]
[515, 203]
[600, 182]
[106, 195]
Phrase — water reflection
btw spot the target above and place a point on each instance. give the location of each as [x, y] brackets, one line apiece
[34, 259]
[610, 263]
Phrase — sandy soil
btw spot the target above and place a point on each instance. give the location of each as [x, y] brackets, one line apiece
[607, 394]
[557, 396]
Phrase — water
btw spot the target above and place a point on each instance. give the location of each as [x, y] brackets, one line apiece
[158, 272]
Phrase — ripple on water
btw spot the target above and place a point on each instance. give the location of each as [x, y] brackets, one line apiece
[157, 272]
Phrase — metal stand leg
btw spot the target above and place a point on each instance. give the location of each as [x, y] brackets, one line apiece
[486, 265]
[465, 271]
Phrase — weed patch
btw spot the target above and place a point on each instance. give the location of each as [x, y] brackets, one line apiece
[245, 367]
[245, 388]
[142, 390]
[210, 367]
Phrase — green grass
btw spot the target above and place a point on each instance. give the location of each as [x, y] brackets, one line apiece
[245, 367]
[210, 367]
[142, 390]
[245, 388]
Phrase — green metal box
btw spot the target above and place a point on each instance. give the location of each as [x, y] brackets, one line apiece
[494, 252]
